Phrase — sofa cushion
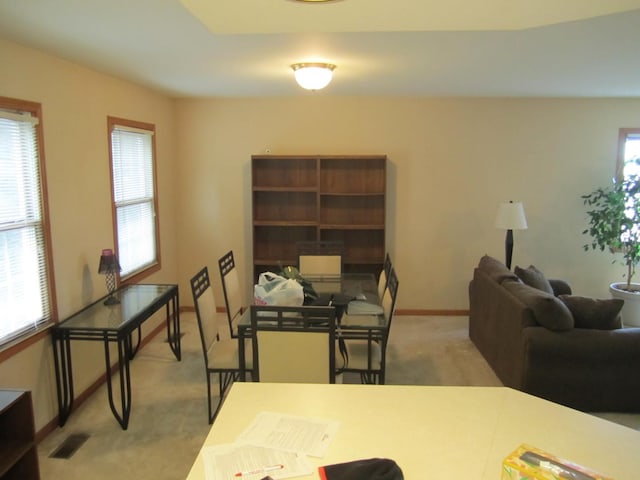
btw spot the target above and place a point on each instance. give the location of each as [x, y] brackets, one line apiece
[497, 271]
[594, 313]
[548, 310]
[534, 278]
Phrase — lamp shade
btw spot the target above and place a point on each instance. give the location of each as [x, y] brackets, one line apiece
[511, 216]
[108, 262]
[313, 76]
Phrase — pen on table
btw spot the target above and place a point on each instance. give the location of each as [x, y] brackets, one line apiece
[259, 470]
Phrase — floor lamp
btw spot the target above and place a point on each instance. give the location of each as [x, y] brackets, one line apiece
[510, 217]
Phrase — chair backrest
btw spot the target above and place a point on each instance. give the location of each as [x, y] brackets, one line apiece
[293, 344]
[384, 276]
[321, 258]
[205, 306]
[389, 298]
[231, 289]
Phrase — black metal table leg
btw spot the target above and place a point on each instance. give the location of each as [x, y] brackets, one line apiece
[173, 326]
[124, 353]
[64, 376]
[135, 350]
[242, 362]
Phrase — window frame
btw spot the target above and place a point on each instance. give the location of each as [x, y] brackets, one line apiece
[137, 275]
[18, 343]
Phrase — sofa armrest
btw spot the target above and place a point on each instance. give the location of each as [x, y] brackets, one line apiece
[560, 287]
[592, 370]
[496, 321]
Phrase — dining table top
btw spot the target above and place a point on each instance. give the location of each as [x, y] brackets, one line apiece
[431, 431]
[339, 290]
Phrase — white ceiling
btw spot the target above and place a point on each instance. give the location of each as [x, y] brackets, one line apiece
[224, 48]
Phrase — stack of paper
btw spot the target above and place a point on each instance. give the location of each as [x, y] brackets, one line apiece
[274, 444]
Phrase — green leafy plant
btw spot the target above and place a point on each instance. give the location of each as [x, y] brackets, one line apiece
[614, 221]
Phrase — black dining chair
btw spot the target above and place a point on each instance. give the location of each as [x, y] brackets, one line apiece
[231, 290]
[320, 258]
[294, 344]
[366, 351]
[384, 275]
[220, 355]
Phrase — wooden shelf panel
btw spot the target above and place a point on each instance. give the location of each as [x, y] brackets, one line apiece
[358, 175]
[350, 227]
[351, 194]
[285, 206]
[278, 243]
[271, 172]
[372, 268]
[360, 246]
[25, 468]
[278, 223]
[18, 453]
[352, 210]
[313, 189]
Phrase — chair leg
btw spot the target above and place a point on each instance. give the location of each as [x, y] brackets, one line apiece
[211, 416]
[368, 378]
[225, 379]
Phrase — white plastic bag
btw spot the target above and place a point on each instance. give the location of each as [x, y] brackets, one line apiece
[273, 289]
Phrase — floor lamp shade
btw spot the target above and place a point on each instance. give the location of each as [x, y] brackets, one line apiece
[510, 217]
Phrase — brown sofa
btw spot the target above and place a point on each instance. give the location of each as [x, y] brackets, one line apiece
[579, 358]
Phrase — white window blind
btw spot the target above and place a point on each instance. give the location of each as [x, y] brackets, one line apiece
[631, 168]
[24, 287]
[133, 196]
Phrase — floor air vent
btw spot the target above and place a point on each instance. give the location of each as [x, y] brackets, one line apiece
[70, 445]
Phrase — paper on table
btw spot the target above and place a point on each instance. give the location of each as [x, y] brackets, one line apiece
[311, 436]
[251, 462]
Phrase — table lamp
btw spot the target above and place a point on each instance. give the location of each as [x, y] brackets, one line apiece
[108, 266]
[510, 217]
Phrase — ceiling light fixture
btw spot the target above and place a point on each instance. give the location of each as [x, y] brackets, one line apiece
[314, 75]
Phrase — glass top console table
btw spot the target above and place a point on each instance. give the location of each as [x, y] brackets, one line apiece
[113, 323]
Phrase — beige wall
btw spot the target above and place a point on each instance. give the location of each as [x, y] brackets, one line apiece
[75, 104]
[451, 161]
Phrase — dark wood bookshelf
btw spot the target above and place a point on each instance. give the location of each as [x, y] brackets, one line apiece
[18, 451]
[318, 197]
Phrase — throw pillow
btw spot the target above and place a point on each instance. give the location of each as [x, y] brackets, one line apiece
[547, 309]
[594, 313]
[496, 270]
[534, 278]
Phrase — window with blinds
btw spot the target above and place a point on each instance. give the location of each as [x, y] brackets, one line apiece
[134, 195]
[628, 167]
[26, 289]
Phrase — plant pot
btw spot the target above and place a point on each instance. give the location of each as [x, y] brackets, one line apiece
[631, 310]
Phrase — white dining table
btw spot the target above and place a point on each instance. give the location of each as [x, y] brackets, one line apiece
[432, 431]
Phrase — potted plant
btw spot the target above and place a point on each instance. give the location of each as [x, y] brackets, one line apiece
[614, 224]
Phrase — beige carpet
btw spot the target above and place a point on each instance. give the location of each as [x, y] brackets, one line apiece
[169, 414]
